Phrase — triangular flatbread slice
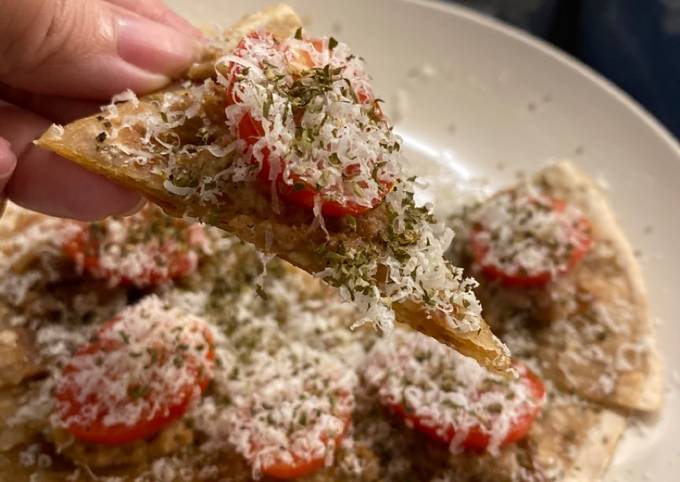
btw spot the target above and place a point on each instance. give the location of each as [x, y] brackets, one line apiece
[591, 329]
[175, 147]
[614, 359]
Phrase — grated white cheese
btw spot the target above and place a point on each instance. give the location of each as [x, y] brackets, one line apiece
[287, 406]
[28, 457]
[320, 125]
[415, 266]
[126, 96]
[157, 350]
[290, 406]
[58, 130]
[30, 257]
[144, 249]
[445, 390]
[523, 232]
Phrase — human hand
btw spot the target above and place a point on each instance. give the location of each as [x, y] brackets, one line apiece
[59, 58]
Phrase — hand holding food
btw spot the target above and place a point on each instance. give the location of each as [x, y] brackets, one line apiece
[60, 61]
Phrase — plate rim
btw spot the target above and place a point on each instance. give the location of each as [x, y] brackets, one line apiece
[562, 57]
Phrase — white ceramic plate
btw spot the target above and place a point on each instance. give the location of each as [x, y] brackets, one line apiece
[479, 99]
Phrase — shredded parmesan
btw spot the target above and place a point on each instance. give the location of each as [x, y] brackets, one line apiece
[30, 258]
[143, 249]
[413, 257]
[524, 232]
[444, 389]
[159, 351]
[339, 145]
[291, 406]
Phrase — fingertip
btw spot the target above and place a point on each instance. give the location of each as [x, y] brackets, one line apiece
[8, 162]
[136, 208]
[100, 49]
[170, 53]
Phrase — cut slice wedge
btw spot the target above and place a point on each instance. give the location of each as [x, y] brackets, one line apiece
[180, 148]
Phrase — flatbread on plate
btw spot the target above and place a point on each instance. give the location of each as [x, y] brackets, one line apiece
[573, 440]
[591, 328]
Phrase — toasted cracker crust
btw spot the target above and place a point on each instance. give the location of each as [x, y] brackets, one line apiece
[597, 448]
[640, 389]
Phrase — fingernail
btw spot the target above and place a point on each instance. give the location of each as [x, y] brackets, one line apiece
[136, 208]
[8, 161]
[155, 47]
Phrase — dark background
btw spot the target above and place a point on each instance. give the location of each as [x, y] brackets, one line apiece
[634, 43]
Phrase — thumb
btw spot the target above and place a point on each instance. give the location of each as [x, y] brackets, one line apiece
[8, 162]
[87, 48]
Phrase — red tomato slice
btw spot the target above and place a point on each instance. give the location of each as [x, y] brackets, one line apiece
[170, 406]
[301, 467]
[582, 242]
[250, 130]
[302, 194]
[477, 439]
[145, 261]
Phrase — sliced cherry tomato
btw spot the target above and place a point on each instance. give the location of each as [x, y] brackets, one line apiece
[167, 406]
[288, 429]
[304, 195]
[478, 439]
[581, 242]
[250, 130]
[302, 467]
[139, 259]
